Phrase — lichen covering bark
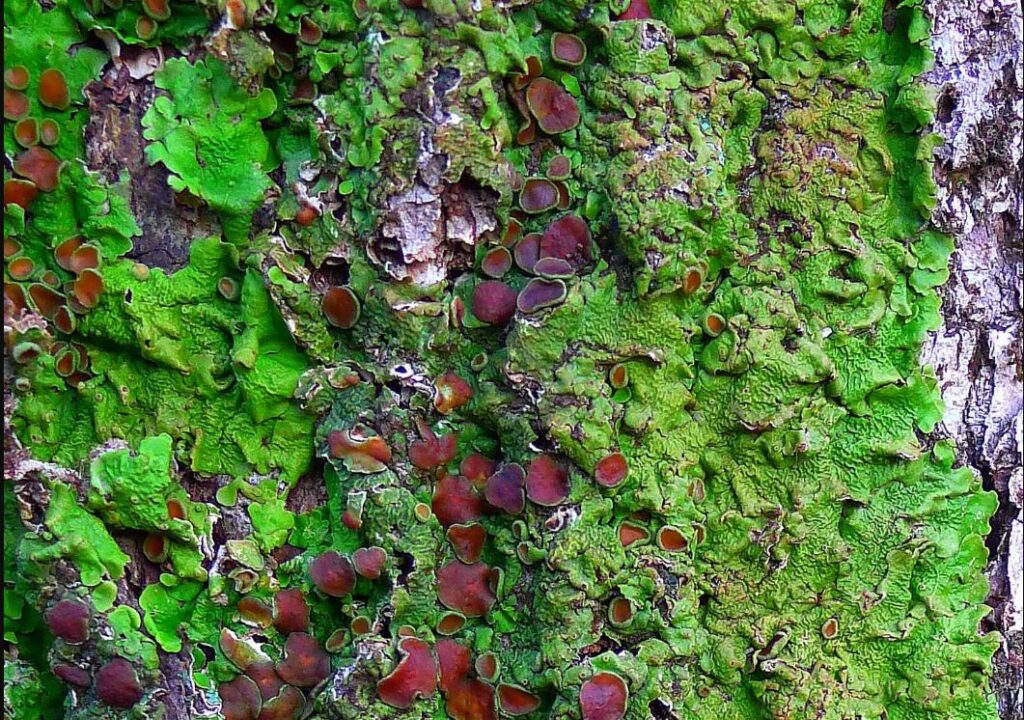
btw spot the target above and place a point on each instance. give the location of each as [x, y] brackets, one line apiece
[596, 323]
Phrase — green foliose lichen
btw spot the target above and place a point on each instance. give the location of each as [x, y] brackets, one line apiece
[681, 456]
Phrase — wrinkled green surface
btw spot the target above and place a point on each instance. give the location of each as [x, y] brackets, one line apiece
[778, 149]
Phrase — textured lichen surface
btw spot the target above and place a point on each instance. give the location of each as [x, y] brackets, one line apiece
[553, 359]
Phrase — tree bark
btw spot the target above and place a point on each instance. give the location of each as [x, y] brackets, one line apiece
[977, 354]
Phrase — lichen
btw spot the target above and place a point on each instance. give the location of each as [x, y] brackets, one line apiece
[557, 358]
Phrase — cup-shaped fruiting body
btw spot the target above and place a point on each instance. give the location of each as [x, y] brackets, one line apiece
[157, 9]
[620, 612]
[309, 32]
[568, 238]
[287, 704]
[630, 533]
[527, 252]
[49, 132]
[555, 110]
[513, 231]
[714, 324]
[493, 302]
[564, 195]
[238, 15]
[73, 675]
[456, 501]
[341, 307]
[369, 561]
[338, 639]
[830, 629]
[25, 352]
[228, 288]
[21, 268]
[16, 105]
[85, 257]
[414, 677]
[306, 215]
[604, 697]
[40, 166]
[88, 287]
[515, 700]
[540, 294]
[146, 27]
[471, 699]
[450, 393]
[467, 541]
[433, 451]
[478, 362]
[16, 77]
[63, 252]
[477, 468]
[451, 623]
[465, 588]
[530, 554]
[15, 301]
[534, 66]
[305, 663]
[360, 625]
[45, 299]
[618, 376]
[240, 651]
[487, 666]
[64, 320]
[303, 93]
[117, 685]
[264, 674]
[155, 548]
[19, 192]
[69, 620]
[567, 49]
[670, 538]
[291, 611]
[466, 698]
[692, 280]
[553, 268]
[360, 449]
[538, 195]
[611, 470]
[26, 132]
[547, 481]
[636, 10]
[333, 574]
[240, 699]
[505, 489]
[496, 262]
[255, 612]
[559, 167]
[422, 512]
[527, 134]
[65, 359]
[53, 89]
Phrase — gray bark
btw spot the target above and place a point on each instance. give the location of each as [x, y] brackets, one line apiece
[977, 355]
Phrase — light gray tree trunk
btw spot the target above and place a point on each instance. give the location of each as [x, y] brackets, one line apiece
[978, 355]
